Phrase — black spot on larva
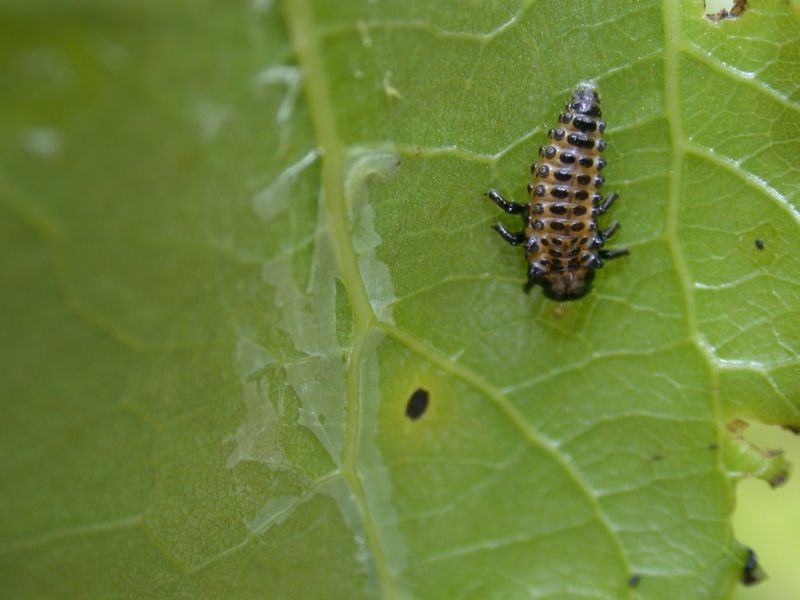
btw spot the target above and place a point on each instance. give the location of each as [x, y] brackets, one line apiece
[584, 123]
[760, 244]
[634, 580]
[585, 108]
[580, 140]
[417, 404]
[751, 572]
[560, 218]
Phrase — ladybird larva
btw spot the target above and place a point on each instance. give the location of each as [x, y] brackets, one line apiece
[562, 242]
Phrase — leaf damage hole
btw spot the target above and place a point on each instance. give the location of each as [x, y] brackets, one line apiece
[760, 244]
[417, 404]
[761, 518]
[768, 464]
[722, 10]
[752, 573]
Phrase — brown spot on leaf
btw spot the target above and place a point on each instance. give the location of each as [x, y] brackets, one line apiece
[738, 425]
[736, 11]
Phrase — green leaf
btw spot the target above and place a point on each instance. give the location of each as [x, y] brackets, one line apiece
[239, 237]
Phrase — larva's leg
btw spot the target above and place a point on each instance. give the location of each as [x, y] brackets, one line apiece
[514, 239]
[608, 232]
[608, 254]
[534, 273]
[606, 204]
[512, 208]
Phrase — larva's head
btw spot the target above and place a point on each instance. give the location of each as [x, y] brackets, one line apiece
[568, 285]
[585, 100]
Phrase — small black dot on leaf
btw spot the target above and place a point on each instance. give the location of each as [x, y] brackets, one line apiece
[634, 580]
[417, 404]
[760, 244]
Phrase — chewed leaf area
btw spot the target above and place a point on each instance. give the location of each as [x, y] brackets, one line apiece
[260, 337]
[717, 10]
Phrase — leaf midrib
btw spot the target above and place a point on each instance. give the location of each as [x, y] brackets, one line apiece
[306, 46]
[323, 117]
[673, 43]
